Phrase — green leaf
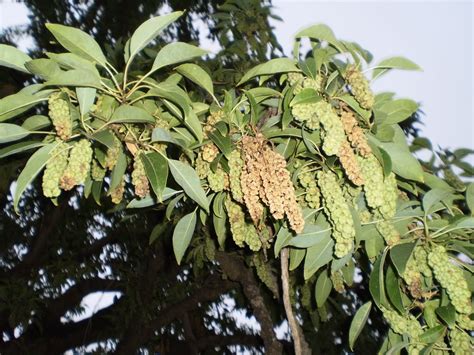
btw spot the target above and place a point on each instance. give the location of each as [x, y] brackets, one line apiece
[86, 97]
[393, 63]
[33, 167]
[75, 77]
[13, 58]
[322, 289]
[431, 199]
[400, 254]
[187, 178]
[349, 99]
[44, 68]
[182, 235]
[16, 104]
[222, 142]
[156, 169]
[317, 256]
[19, 148]
[131, 114]
[404, 163]
[376, 282]
[447, 314]
[163, 135]
[176, 52]
[149, 200]
[311, 235]
[11, 132]
[36, 122]
[148, 30]
[77, 42]
[433, 335]
[197, 75]
[305, 96]
[398, 110]
[118, 171]
[273, 66]
[73, 61]
[321, 32]
[393, 289]
[296, 257]
[104, 137]
[358, 323]
[470, 197]
[220, 227]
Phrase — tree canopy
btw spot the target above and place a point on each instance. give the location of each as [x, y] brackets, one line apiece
[224, 196]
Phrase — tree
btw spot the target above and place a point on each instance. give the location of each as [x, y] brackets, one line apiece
[220, 188]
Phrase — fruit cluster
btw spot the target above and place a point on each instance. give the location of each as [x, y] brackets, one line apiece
[451, 279]
[60, 115]
[338, 211]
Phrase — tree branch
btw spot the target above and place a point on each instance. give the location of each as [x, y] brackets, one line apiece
[236, 270]
[300, 345]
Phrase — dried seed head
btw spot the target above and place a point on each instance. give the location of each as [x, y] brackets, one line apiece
[355, 134]
[139, 179]
[349, 163]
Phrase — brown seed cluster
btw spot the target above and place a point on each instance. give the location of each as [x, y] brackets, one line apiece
[265, 180]
[355, 134]
[349, 163]
[139, 178]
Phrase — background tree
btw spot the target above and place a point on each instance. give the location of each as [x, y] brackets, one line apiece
[53, 257]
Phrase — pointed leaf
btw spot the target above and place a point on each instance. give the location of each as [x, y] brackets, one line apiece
[75, 77]
[176, 52]
[358, 323]
[131, 114]
[13, 58]
[398, 110]
[273, 66]
[86, 98]
[19, 148]
[44, 68]
[11, 132]
[156, 169]
[16, 104]
[323, 288]
[33, 167]
[400, 254]
[148, 30]
[318, 255]
[394, 63]
[182, 235]
[188, 179]
[321, 32]
[78, 42]
[197, 75]
[36, 122]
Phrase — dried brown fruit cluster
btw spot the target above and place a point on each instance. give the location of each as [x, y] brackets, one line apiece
[349, 163]
[355, 133]
[139, 179]
[265, 180]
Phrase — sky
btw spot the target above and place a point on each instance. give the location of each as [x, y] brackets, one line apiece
[437, 35]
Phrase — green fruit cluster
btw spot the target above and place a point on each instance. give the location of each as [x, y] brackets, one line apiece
[295, 79]
[97, 171]
[216, 179]
[264, 273]
[78, 165]
[60, 115]
[242, 232]
[307, 113]
[381, 193]
[333, 135]
[360, 87]
[113, 153]
[387, 230]
[312, 194]
[338, 211]
[236, 164]
[139, 178]
[451, 279]
[54, 170]
[465, 322]
[461, 343]
[416, 265]
[404, 325]
[338, 281]
[315, 84]
[209, 152]
[203, 168]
